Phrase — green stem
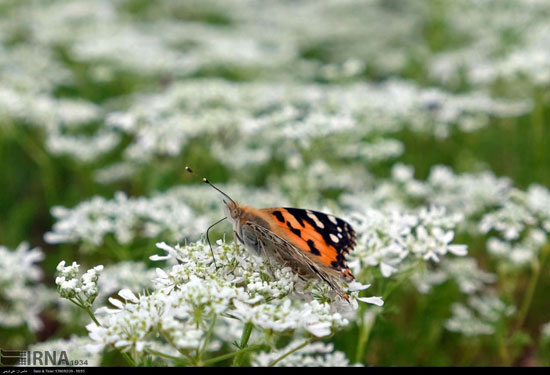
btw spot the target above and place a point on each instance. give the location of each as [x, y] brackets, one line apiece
[164, 355]
[247, 330]
[364, 334]
[83, 306]
[305, 343]
[76, 303]
[92, 316]
[201, 352]
[128, 359]
[182, 352]
[41, 158]
[234, 354]
[503, 351]
[538, 264]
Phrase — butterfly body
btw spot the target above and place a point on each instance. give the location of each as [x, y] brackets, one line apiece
[312, 243]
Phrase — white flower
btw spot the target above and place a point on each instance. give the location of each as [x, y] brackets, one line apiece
[125, 275]
[179, 213]
[402, 173]
[84, 290]
[23, 299]
[464, 271]
[373, 300]
[479, 317]
[388, 239]
[189, 294]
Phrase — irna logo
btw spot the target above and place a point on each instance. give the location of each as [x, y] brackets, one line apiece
[33, 358]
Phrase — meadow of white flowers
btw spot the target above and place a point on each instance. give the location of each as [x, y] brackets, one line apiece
[425, 124]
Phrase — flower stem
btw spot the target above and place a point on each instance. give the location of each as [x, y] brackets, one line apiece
[202, 350]
[247, 330]
[364, 334]
[76, 303]
[87, 308]
[183, 352]
[128, 359]
[164, 355]
[503, 351]
[304, 344]
[234, 354]
[537, 266]
[44, 162]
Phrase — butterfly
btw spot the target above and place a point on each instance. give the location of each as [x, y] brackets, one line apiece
[313, 244]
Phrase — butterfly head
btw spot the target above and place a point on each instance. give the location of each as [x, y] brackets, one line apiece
[232, 210]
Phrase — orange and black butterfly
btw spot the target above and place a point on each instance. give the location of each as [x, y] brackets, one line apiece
[312, 243]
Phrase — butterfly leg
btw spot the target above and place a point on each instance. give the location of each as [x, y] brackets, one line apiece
[250, 240]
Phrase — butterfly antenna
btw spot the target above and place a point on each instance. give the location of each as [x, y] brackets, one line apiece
[208, 239]
[211, 184]
[221, 192]
[217, 222]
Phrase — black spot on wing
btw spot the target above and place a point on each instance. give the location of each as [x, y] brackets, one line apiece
[298, 214]
[312, 247]
[297, 232]
[279, 216]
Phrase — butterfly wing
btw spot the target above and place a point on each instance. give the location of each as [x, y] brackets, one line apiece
[325, 238]
[287, 253]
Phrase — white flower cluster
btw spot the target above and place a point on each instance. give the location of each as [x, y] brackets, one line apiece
[83, 148]
[82, 289]
[23, 298]
[480, 317]
[522, 224]
[125, 218]
[284, 116]
[471, 194]
[394, 240]
[312, 355]
[179, 213]
[128, 327]
[269, 119]
[197, 290]
[168, 42]
[131, 275]
[31, 68]
[490, 206]
[29, 74]
[464, 271]
[507, 41]
[54, 116]
[134, 276]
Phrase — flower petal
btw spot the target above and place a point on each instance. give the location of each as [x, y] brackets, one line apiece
[372, 300]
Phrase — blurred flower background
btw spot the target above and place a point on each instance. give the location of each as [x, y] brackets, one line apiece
[424, 123]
